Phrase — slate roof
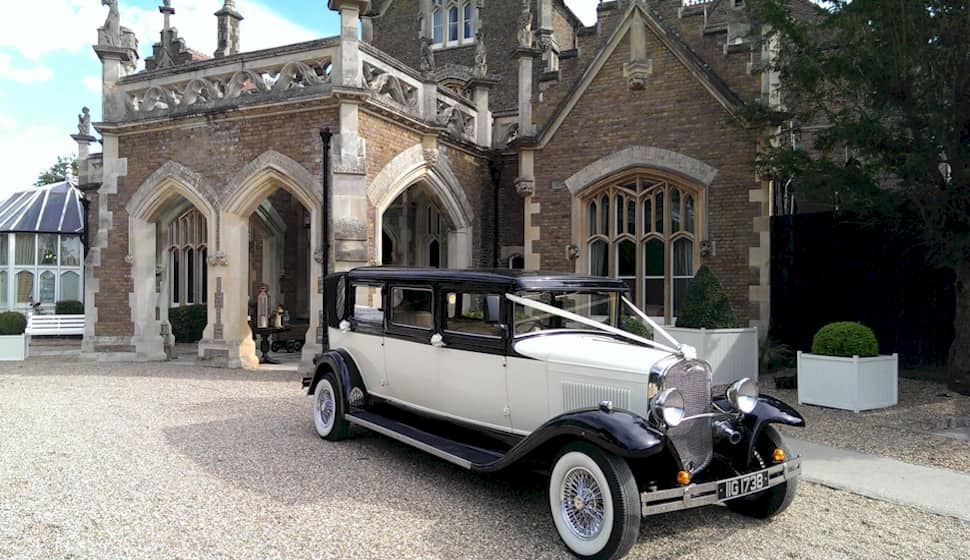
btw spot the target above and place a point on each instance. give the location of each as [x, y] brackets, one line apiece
[54, 208]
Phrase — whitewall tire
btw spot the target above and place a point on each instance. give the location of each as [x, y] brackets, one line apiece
[594, 502]
[328, 409]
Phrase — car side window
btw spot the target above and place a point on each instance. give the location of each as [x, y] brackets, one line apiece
[412, 307]
[474, 314]
[368, 306]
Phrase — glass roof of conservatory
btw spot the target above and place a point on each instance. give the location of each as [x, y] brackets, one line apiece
[54, 208]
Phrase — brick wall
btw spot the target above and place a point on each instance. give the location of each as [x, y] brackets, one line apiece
[217, 146]
[675, 113]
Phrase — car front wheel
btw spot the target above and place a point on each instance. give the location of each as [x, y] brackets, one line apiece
[328, 409]
[776, 499]
[595, 503]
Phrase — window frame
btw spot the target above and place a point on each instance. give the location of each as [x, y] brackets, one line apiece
[446, 16]
[474, 342]
[642, 188]
[365, 327]
[403, 329]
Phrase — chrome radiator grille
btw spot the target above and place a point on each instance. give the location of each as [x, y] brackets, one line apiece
[692, 438]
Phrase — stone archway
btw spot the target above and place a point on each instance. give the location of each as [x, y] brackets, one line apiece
[431, 169]
[172, 185]
[246, 192]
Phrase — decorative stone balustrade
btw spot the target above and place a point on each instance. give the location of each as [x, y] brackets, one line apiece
[221, 83]
[292, 71]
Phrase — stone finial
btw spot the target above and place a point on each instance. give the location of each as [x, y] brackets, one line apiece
[481, 55]
[525, 25]
[109, 34]
[639, 69]
[84, 122]
[427, 55]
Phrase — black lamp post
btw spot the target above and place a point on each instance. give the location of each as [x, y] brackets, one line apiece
[326, 136]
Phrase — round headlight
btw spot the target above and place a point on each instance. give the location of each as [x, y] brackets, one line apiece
[669, 406]
[743, 395]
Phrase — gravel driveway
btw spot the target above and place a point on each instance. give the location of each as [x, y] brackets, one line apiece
[171, 461]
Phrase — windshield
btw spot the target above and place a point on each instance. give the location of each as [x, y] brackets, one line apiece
[601, 306]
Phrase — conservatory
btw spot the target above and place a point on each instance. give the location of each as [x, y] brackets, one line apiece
[41, 260]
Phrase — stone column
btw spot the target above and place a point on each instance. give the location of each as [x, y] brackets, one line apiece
[347, 68]
[349, 203]
[147, 340]
[483, 119]
[526, 56]
[232, 277]
[525, 185]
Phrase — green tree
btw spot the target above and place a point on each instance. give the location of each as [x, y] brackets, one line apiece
[58, 171]
[885, 86]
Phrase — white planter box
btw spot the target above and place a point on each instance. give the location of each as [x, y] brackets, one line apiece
[732, 353]
[13, 348]
[848, 383]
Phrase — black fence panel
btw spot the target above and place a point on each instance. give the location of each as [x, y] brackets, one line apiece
[826, 268]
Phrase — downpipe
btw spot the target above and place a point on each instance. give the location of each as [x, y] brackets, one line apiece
[724, 431]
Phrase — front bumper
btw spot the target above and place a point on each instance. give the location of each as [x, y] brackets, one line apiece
[705, 494]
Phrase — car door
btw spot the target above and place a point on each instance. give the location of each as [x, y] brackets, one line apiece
[471, 357]
[409, 359]
[362, 334]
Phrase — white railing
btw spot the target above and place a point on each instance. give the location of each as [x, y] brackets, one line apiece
[218, 82]
[692, 3]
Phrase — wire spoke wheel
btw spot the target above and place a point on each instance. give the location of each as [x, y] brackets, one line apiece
[582, 503]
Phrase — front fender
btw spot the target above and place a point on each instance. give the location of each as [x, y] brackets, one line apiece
[342, 364]
[620, 432]
[769, 410]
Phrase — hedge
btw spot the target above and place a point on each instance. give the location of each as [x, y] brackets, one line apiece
[12, 323]
[188, 322]
[69, 307]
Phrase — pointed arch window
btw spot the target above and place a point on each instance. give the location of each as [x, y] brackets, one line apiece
[187, 259]
[645, 230]
[436, 31]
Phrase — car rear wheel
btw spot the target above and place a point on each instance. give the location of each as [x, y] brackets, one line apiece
[328, 409]
[594, 501]
[776, 499]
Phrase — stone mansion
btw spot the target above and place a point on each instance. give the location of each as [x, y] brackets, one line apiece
[467, 133]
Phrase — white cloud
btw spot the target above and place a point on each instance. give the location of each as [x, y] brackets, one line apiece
[585, 10]
[26, 150]
[92, 83]
[23, 75]
[71, 26]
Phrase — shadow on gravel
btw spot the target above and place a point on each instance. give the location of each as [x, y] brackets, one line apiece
[273, 450]
[49, 366]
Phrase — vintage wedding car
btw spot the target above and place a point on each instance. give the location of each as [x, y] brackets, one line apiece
[494, 369]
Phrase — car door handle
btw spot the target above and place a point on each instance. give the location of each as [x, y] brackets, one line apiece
[437, 341]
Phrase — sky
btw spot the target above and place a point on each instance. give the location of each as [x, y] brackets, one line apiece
[48, 70]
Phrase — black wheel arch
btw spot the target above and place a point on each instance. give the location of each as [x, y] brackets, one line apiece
[344, 368]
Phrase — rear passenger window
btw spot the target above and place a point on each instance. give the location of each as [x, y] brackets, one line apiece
[368, 306]
[411, 307]
[474, 314]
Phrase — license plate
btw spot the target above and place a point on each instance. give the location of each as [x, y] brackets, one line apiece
[742, 485]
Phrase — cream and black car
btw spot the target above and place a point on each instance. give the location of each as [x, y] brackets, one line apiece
[489, 369]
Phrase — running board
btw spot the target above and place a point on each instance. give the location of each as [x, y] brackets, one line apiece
[465, 456]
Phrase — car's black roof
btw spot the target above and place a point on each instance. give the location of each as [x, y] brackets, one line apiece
[508, 279]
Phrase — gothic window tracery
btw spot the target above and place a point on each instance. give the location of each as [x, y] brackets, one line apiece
[187, 254]
[645, 230]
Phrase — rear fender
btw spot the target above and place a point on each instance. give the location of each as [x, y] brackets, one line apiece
[342, 364]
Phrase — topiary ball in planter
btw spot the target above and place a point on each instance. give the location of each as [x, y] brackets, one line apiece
[69, 307]
[12, 323]
[706, 305]
[845, 339]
